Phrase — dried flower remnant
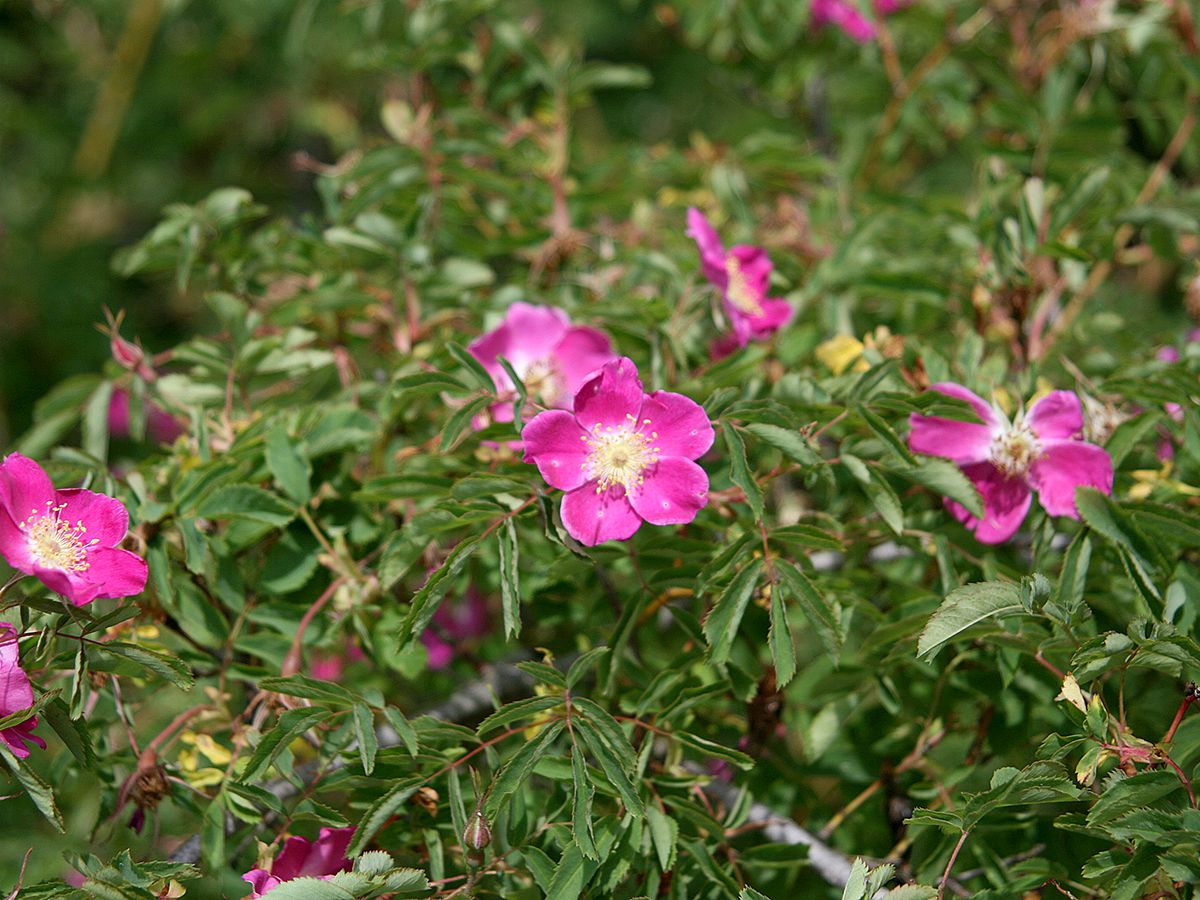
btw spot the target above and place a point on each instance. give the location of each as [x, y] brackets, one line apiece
[741, 274]
[1009, 460]
[549, 354]
[300, 858]
[623, 456]
[16, 694]
[66, 538]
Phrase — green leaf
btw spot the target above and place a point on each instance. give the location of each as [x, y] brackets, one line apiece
[967, 607]
[380, 811]
[887, 434]
[1103, 515]
[610, 764]
[1072, 579]
[1144, 789]
[72, 732]
[821, 615]
[792, 443]
[171, 668]
[292, 723]
[664, 832]
[569, 875]
[510, 584]
[739, 470]
[364, 732]
[457, 424]
[528, 708]
[945, 478]
[309, 689]
[721, 623]
[404, 730]
[24, 715]
[308, 888]
[519, 766]
[779, 638]
[245, 501]
[856, 883]
[426, 601]
[473, 366]
[581, 806]
[95, 421]
[290, 470]
[39, 792]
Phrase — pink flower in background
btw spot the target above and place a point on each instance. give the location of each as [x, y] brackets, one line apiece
[623, 456]
[161, 426]
[844, 15]
[887, 7]
[329, 667]
[67, 538]
[1169, 354]
[16, 694]
[455, 621]
[549, 354]
[741, 275]
[300, 858]
[1038, 451]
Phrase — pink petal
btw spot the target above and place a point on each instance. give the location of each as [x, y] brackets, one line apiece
[327, 855]
[593, 517]
[1064, 466]
[1059, 414]
[755, 266]
[118, 413]
[13, 545]
[438, 654]
[291, 860]
[775, 314]
[161, 425]
[962, 442]
[672, 493]
[528, 333]
[1167, 354]
[679, 425]
[25, 488]
[727, 344]
[115, 573]
[712, 252]
[105, 518]
[19, 735]
[1005, 504]
[261, 881]
[556, 444]
[75, 586]
[578, 356]
[612, 398]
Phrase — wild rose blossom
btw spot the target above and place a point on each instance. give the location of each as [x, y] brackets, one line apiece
[66, 538]
[161, 426]
[1037, 451]
[453, 622]
[623, 456]
[16, 694]
[300, 858]
[741, 275]
[845, 15]
[550, 355]
[1170, 354]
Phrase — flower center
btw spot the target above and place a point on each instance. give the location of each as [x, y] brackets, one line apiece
[619, 455]
[738, 291]
[55, 543]
[544, 383]
[1015, 449]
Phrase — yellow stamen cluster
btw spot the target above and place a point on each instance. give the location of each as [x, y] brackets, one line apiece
[620, 455]
[1015, 449]
[738, 291]
[55, 543]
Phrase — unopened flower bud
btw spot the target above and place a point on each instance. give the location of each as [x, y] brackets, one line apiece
[477, 835]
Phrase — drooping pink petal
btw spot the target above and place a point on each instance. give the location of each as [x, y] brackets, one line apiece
[593, 517]
[104, 517]
[16, 694]
[1064, 466]
[580, 353]
[612, 398]
[712, 251]
[776, 313]
[961, 442]
[678, 425]
[556, 444]
[75, 587]
[327, 855]
[161, 425]
[1005, 504]
[1057, 415]
[672, 492]
[25, 489]
[118, 413]
[115, 573]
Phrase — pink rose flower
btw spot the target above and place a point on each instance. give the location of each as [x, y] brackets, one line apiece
[623, 456]
[300, 858]
[549, 354]
[741, 275]
[329, 666]
[16, 694]
[463, 620]
[844, 15]
[161, 426]
[1170, 354]
[67, 538]
[1038, 451]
